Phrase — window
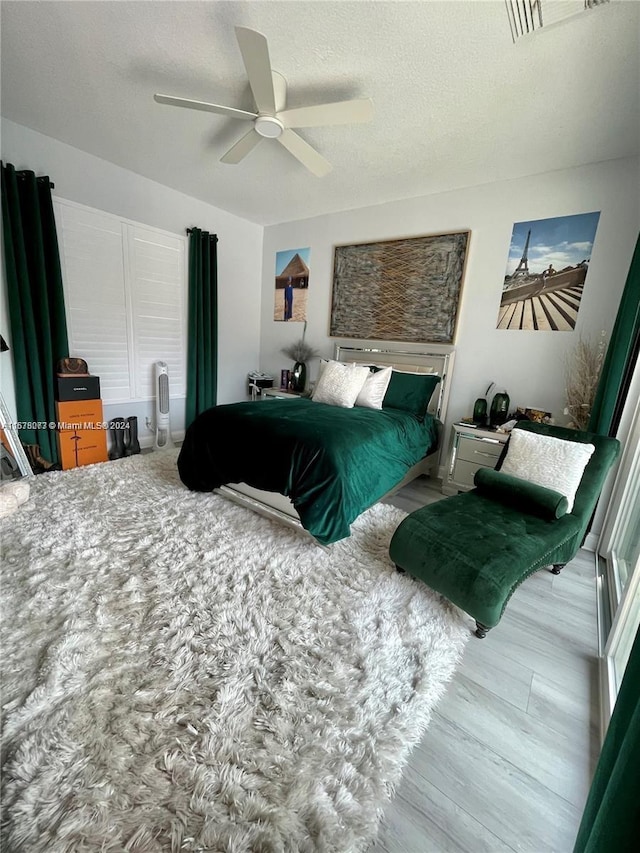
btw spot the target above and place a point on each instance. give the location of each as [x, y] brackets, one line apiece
[125, 288]
[619, 546]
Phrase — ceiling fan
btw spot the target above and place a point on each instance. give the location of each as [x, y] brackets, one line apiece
[272, 120]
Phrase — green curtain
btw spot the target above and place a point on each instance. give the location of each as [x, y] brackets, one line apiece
[202, 348]
[36, 302]
[620, 351]
[611, 819]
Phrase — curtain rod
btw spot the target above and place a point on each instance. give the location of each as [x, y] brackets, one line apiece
[24, 172]
[211, 236]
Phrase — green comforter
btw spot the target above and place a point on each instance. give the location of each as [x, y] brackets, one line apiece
[332, 462]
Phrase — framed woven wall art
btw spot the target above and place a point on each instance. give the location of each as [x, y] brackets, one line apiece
[399, 290]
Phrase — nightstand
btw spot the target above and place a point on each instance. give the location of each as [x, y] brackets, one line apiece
[280, 393]
[471, 448]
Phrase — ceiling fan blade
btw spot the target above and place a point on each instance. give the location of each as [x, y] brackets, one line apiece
[303, 152]
[342, 112]
[242, 147]
[202, 105]
[255, 55]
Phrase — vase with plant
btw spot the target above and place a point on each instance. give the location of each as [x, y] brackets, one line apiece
[301, 352]
[582, 371]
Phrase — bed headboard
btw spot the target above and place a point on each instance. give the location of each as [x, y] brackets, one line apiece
[440, 362]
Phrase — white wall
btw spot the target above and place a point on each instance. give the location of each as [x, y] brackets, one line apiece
[530, 365]
[89, 180]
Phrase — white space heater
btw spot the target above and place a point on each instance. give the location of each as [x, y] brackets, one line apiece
[163, 417]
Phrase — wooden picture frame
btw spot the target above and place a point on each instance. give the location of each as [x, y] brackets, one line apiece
[406, 289]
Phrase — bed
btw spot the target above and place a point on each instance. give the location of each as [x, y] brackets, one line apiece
[313, 465]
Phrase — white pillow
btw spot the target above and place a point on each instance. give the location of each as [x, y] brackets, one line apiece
[547, 461]
[374, 389]
[323, 363]
[340, 384]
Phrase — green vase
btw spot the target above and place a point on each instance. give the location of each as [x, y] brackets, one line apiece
[480, 411]
[299, 377]
[499, 409]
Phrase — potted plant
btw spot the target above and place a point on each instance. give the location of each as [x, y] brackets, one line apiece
[300, 352]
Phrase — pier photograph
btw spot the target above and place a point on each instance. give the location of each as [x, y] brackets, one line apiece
[546, 273]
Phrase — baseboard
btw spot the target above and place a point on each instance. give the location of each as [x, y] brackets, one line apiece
[148, 442]
[591, 542]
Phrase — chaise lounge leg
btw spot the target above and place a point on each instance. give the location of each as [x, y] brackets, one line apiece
[557, 568]
[481, 630]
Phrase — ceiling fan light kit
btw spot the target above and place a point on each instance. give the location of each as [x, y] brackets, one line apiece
[272, 120]
[269, 126]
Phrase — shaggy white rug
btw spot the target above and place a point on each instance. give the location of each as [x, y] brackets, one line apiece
[181, 674]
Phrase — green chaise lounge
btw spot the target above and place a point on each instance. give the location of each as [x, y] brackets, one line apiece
[477, 548]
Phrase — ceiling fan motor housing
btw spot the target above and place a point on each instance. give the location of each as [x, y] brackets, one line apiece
[269, 126]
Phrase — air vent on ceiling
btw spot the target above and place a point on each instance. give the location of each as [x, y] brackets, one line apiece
[526, 16]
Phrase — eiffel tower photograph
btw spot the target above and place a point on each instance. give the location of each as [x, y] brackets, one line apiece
[546, 273]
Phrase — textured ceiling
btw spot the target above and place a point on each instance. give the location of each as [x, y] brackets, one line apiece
[456, 102]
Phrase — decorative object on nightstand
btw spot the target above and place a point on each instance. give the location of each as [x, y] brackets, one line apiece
[299, 376]
[301, 352]
[499, 409]
[480, 411]
[539, 416]
[472, 447]
[257, 382]
[285, 376]
[480, 407]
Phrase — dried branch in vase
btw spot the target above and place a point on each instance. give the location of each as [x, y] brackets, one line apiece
[582, 371]
[300, 350]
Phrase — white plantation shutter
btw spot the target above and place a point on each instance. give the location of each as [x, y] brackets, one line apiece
[93, 275]
[157, 278]
[125, 297]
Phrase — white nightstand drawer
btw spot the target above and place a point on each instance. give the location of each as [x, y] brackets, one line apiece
[465, 471]
[481, 452]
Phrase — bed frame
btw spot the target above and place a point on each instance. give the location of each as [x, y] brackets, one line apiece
[439, 359]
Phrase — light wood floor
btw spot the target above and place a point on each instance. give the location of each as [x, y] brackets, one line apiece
[506, 762]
